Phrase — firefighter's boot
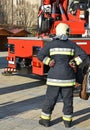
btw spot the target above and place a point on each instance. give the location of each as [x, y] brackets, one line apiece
[67, 123]
[44, 122]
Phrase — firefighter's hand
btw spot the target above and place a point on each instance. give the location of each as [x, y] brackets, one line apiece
[52, 63]
[73, 65]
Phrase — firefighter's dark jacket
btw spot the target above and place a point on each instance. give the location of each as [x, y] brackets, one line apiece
[62, 51]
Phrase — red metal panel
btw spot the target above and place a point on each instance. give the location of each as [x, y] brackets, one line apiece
[37, 70]
[84, 44]
[77, 27]
[23, 47]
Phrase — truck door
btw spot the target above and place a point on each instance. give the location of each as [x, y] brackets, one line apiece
[37, 65]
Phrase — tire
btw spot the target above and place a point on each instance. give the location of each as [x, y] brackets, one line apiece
[44, 24]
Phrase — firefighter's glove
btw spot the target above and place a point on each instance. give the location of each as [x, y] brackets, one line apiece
[52, 63]
[73, 65]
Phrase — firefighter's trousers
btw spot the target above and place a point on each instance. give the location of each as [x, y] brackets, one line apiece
[52, 94]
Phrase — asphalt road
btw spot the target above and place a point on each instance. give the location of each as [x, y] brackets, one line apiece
[21, 100]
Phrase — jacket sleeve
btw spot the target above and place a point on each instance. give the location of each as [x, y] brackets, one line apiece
[80, 54]
[43, 55]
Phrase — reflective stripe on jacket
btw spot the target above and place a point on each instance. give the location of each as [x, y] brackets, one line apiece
[56, 82]
[64, 51]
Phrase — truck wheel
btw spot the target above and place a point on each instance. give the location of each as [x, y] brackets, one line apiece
[40, 21]
[43, 24]
[23, 66]
[25, 70]
[7, 73]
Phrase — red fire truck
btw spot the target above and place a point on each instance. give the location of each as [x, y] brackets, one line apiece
[22, 51]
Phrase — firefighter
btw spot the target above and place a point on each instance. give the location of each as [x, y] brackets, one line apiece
[61, 54]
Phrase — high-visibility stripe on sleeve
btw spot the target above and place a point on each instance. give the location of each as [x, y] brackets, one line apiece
[64, 83]
[45, 116]
[62, 51]
[78, 60]
[46, 60]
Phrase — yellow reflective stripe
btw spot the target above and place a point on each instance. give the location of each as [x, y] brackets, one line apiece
[46, 60]
[46, 117]
[67, 119]
[78, 60]
[60, 84]
[62, 53]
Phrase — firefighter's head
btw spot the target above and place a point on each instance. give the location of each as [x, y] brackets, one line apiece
[62, 29]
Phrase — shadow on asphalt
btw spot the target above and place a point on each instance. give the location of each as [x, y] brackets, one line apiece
[85, 115]
[14, 108]
[25, 86]
[3, 62]
[56, 121]
[11, 109]
[85, 111]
